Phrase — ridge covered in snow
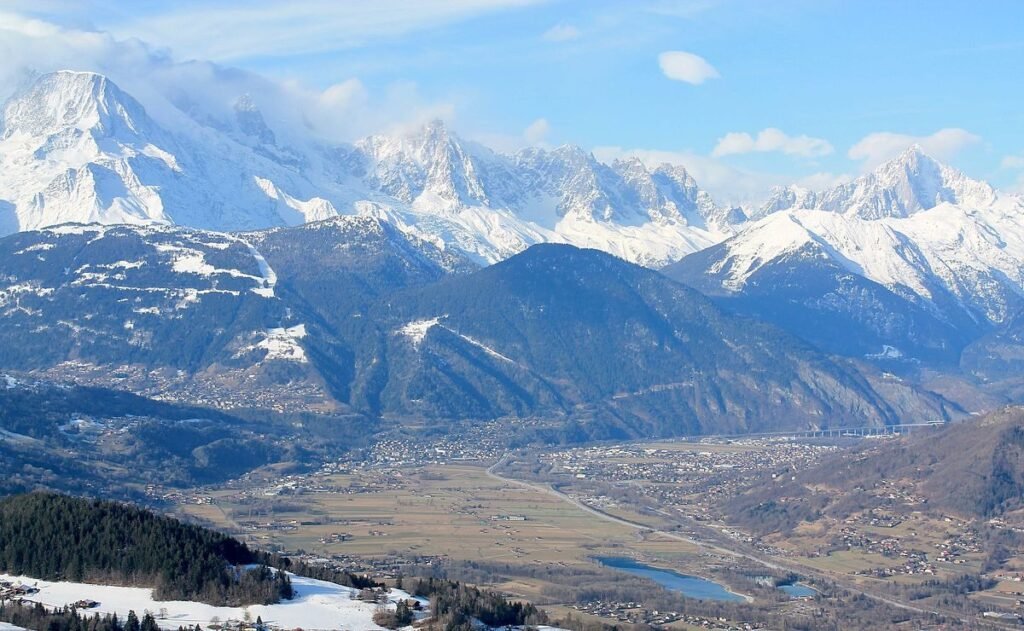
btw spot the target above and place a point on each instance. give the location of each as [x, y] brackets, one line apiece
[909, 183]
[76, 148]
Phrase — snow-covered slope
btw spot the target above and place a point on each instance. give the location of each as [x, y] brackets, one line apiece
[901, 187]
[76, 148]
[924, 232]
[317, 605]
[913, 225]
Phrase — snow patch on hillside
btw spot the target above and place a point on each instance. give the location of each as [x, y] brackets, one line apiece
[283, 343]
[487, 349]
[417, 330]
[268, 280]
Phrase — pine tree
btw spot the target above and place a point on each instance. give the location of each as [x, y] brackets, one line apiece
[132, 623]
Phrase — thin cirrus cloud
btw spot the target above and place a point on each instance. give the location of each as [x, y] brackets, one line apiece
[680, 65]
[878, 147]
[771, 140]
[301, 27]
[561, 33]
[1012, 162]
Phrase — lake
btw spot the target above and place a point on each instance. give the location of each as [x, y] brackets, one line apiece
[689, 586]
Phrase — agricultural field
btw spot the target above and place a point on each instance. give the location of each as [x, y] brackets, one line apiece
[454, 512]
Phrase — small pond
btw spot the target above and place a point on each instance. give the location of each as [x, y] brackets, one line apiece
[799, 590]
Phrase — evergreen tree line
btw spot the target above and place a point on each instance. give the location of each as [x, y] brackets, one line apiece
[36, 617]
[57, 537]
[324, 573]
[454, 605]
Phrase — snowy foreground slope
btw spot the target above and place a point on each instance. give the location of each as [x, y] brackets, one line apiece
[318, 605]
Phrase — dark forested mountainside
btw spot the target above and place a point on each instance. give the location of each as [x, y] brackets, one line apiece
[99, 441]
[57, 537]
[812, 296]
[618, 348]
[352, 317]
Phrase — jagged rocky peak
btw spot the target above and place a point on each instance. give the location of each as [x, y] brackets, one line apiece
[250, 120]
[789, 197]
[430, 164]
[69, 100]
[909, 183]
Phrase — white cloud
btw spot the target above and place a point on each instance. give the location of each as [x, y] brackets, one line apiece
[237, 29]
[1012, 162]
[537, 131]
[878, 147]
[771, 139]
[682, 66]
[561, 33]
[344, 111]
[533, 135]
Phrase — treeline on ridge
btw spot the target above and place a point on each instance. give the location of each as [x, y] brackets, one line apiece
[57, 537]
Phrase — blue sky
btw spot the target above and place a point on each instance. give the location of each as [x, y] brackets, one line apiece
[837, 85]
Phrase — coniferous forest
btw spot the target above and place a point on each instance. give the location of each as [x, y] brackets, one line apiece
[57, 537]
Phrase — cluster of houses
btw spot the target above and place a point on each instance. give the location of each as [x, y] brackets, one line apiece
[696, 478]
[633, 613]
[16, 592]
[20, 592]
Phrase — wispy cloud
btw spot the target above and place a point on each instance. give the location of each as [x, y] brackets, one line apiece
[683, 66]
[239, 30]
[878, 147]
[561, 33]
[166, 86]
[726, 183]
[771, 140]
[537, 131]
[1012, 162]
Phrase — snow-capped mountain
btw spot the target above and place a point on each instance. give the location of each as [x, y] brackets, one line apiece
[493, 205]
[76, 148]
[901, 187]
[915, 251]
[915, 230]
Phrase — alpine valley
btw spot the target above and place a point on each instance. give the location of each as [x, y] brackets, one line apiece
[338, 338]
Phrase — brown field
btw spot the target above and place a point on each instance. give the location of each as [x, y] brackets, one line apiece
[440, 511]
